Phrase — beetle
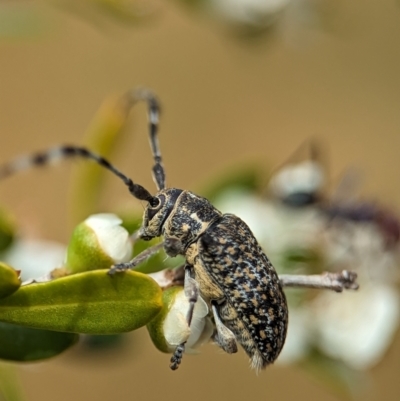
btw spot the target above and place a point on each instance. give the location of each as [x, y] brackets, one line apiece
[224, 264]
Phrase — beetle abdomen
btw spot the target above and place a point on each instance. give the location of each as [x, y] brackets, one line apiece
[255, 308]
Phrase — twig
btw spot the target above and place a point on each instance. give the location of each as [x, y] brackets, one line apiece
[338, 282]
[344, 280]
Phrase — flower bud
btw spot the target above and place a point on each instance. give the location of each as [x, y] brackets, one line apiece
[170, 328]
[98, 243]
[9, 280]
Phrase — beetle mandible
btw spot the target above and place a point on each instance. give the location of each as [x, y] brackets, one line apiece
[224, 264]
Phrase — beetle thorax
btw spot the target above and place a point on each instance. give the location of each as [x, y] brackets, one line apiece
[181, 217]
[190, 218]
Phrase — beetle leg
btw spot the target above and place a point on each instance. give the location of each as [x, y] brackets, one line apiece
[121, 267]
[224, 336]
[173, 247]
[135, 236]
[191, 288]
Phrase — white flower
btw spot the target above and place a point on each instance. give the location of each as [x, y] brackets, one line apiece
[360, 246]
[175, 326]
[170, 327]
[299, 336]
[357, 327]
[98, 243]
[34, 258]
[113, 239]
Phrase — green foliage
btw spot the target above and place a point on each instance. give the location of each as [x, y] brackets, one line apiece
[90, 302]
[103, 12]
[10, 389]
[97, 342]
[243, 176]
[102, 136]
[131, 221]
[84, 252]
[9, 280]
[308, 259]
[120, 11]
[22, 344]
[21, 20]
[7, 230]
[156, 262]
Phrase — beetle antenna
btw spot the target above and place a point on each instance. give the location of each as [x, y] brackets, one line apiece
[143, 94]
[68, 151]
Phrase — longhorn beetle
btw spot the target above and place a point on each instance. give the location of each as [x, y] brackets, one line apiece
[224, 263]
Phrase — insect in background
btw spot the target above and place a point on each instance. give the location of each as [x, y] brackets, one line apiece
[346, 206]
[300, 184]
[224, 264]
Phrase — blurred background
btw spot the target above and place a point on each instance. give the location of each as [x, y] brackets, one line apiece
[238, 83]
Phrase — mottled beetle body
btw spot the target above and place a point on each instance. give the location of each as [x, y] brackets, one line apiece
[225, 265]
[232, 271]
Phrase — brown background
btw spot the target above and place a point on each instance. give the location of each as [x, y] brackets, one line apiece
[224, 101]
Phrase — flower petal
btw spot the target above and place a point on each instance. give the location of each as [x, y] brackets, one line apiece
[358, 327]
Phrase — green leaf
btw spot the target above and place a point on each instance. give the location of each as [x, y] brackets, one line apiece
[97, 342]
[22, 20]
[309, 260]
[243, 176]
[298, 260]
[123, 12]
[131, 220]
[9, 280]
[91, 302]
[84, 252]
[155, 263]
[102, 136]
[7, 230]
[10, 387]
[20, 344]
[102, 13]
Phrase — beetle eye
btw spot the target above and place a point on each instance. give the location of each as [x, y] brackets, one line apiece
[155, 205]
[154, 202]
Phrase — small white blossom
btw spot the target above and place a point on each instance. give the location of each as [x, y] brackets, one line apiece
[299, 336]
[175, 326]
[360, 246]
[357, 327]
[34, 258]
[112, 238]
